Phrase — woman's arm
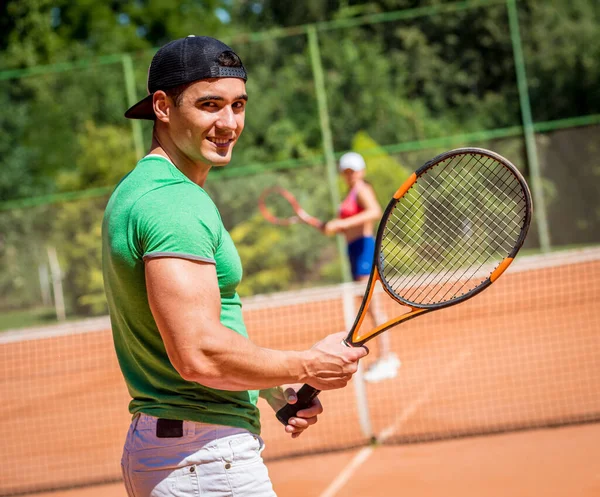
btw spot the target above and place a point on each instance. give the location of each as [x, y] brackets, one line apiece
[366, 198]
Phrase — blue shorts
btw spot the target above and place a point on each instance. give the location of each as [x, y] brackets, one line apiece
[360, 253]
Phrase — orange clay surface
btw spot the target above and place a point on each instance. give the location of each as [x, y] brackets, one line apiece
[550, 463]
[506, 358]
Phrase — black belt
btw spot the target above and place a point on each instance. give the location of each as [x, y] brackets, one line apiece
[169, 428]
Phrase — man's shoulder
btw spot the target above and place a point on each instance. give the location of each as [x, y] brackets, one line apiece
[155, 182]
[174, 195]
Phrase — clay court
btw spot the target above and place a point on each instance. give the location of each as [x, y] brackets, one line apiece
[496, 396]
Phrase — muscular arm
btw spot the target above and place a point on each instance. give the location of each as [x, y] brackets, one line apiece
[185, 302]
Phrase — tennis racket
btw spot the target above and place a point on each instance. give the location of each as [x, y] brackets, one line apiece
[278, 206]
[448, 233]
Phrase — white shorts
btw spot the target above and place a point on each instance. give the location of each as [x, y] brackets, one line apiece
[208, 461]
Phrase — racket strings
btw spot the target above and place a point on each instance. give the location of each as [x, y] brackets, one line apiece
[508, 202]
[451, 229]
[461, 261]
[411, 282]
[475, 182]
[450, 274]
[502, 225]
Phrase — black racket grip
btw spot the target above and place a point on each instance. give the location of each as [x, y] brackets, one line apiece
[305, 396]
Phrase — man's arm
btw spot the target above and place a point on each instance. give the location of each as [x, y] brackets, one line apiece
[185, 302]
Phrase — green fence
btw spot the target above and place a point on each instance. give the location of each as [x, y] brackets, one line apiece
[316, 91]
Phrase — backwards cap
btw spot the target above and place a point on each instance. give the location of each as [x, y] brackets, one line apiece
[180, 62]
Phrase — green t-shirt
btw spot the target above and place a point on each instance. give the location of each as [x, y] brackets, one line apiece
[156, 211]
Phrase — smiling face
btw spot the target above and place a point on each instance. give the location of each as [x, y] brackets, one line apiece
[205, 122]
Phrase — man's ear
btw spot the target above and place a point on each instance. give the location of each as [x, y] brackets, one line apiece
[162, 106]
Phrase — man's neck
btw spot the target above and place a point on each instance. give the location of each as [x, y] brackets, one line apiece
[164, 146]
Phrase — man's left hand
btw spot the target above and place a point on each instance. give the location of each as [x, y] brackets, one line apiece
[286, 394]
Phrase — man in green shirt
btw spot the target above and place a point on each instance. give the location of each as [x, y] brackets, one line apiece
[171, 272]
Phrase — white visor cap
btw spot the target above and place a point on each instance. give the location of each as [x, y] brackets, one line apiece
[353, 161]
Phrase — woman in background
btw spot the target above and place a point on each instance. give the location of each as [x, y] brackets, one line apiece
[357, 216]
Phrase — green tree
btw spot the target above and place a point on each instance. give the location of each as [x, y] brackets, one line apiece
[393, 82]
[562, 51]
[104, 157]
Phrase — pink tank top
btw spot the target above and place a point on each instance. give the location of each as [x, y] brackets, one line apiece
[350, 207]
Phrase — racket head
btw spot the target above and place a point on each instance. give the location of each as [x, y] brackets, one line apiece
[287, 202]
[290, 212]
[450, 230]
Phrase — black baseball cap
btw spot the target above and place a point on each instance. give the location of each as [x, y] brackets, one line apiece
[184, 61]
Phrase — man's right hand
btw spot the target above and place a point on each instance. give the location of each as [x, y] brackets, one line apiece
[332, 363]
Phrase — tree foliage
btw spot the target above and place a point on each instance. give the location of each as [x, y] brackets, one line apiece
[392, 82]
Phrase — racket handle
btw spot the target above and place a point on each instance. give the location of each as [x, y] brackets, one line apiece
[305, 396]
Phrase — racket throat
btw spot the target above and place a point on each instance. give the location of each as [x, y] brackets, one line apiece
[358, 339]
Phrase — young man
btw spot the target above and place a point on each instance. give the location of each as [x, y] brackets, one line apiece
[357, 216]
[171, 271]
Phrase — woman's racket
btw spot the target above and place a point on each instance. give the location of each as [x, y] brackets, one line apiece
[279, 206]
[448, 232]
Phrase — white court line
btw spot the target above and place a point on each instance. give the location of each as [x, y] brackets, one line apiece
[340, 481]
[346, 474]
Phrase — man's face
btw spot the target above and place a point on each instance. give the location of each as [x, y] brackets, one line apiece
[209, 119]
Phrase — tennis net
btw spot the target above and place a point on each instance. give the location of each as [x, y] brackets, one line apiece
[523, 354]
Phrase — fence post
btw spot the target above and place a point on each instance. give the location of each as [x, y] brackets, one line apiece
[360, 391]
[136, 127]
[56, 272]
[537, 188]
[317, 68]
